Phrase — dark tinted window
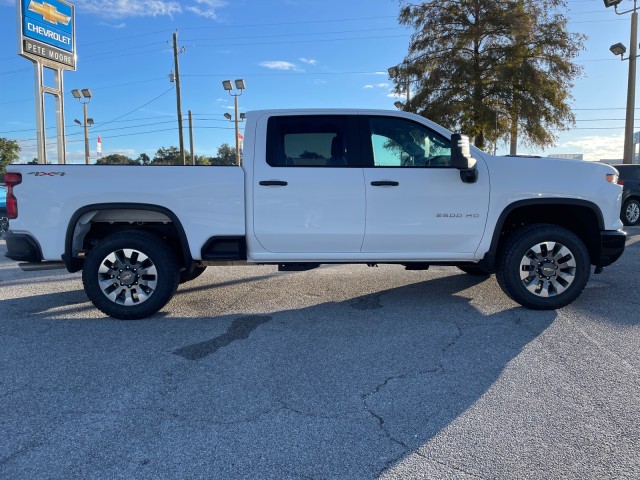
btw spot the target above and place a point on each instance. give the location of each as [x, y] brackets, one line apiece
[308, 141]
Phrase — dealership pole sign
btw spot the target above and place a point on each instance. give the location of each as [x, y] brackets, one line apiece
[47, 33]
[46, 36]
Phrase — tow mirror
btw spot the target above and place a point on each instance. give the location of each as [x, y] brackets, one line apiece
[461, 158]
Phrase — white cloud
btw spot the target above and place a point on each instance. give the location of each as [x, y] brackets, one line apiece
[308, 61]
[115, 26]
[595, 147]
[129, 8]
[278, 65]
[377, 85]
[207, 8]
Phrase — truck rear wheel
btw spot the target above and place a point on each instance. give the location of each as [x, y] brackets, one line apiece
[130, 275]
[543, 267]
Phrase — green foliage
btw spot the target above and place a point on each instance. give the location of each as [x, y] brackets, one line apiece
[226, 156]
[143, 159]
[9, 150]
[167, 156]
[116, 159]
[491, 69]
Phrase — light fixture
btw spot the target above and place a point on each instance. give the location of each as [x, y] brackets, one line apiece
[227, 115]
[226, 84]
[243, 116]
[240, 85]
[393, 72]
[618, 49]
[84, 97]
[399, 105]
[612, 3]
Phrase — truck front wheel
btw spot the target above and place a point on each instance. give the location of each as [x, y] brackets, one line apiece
[543, 267]
[130, 275]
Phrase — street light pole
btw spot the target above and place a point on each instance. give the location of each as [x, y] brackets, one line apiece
[240, 85]
[629, 156]
[235, 98]
[80, 95]
[86, 134]
[620, 49]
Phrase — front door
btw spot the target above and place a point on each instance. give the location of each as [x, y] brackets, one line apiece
[416, 203]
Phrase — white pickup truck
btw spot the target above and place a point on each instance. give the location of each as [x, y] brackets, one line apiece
[318, 187]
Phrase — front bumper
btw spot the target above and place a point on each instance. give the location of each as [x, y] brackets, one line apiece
[611, 247]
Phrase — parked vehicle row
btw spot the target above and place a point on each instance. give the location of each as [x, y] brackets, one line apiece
[630, 181]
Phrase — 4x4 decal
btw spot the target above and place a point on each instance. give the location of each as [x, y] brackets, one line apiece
[48, 174]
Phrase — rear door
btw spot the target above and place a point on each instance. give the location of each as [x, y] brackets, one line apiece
[309, 195]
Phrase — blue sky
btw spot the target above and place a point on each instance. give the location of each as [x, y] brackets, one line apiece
[291, 53]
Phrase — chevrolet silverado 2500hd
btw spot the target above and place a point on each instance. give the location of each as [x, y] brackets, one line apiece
[317, 187]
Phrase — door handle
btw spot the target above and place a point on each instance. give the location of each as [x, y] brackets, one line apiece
[385, 183]
[273, 183]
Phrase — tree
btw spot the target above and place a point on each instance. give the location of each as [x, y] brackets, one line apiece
[167, 156]
[490, 68]
[226, 155]
[143, 159]
[9, 150]
[116, 159]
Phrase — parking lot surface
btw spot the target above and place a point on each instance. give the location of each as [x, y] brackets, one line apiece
[340, 372]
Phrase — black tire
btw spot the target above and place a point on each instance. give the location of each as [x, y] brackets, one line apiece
[475, 270]
[186, 276]
[130, 275]
[543, 267]
[630, 214]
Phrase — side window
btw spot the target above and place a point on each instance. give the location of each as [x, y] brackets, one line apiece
[397, 142]
[314, 141]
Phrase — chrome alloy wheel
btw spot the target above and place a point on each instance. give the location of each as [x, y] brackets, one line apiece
[547, 269]
[127, 277]
[632, 213]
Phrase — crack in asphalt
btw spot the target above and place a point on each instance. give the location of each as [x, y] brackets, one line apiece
[239, 329]
[380, 419]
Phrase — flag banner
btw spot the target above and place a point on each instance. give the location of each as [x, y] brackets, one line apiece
[99, 146]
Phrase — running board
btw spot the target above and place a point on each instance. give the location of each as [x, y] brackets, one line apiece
[32, 267]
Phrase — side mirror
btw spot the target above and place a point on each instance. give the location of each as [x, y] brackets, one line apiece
[461, 158]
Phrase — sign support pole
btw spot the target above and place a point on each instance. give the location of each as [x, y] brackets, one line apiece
[40, 124]
[57, 91]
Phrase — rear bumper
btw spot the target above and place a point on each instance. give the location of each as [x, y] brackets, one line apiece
[611, 247]
[22, 247]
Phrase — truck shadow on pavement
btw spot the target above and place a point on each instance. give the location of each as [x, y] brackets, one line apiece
[342, 389]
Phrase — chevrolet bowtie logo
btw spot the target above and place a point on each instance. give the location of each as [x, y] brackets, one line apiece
[49, 13]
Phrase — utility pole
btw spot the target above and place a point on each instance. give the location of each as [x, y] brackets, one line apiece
[629, 155]
[193, 157]
[177, 77]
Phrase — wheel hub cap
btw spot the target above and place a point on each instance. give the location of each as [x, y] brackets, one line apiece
[127, 277]
[547, 269]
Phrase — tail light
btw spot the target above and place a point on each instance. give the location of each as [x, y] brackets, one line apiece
[620, 181]
[11, 180]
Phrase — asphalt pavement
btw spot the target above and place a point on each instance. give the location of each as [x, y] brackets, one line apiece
[343, 372]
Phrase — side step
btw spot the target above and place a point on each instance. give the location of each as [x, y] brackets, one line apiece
[297, 267]
[32, 267]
